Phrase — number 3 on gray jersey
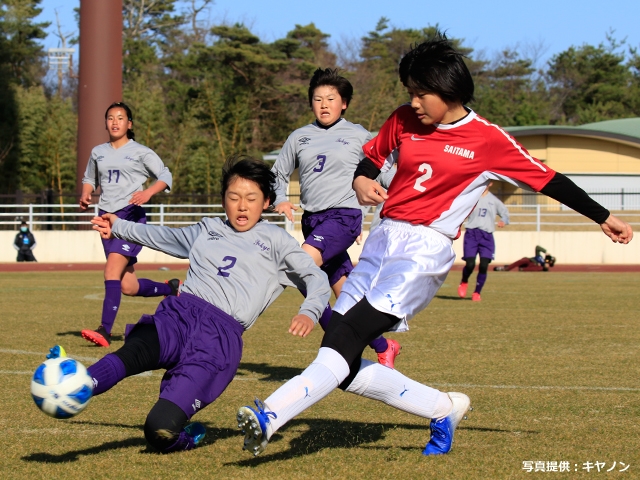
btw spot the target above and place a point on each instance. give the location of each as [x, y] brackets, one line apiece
[321, 160]
[425, 167]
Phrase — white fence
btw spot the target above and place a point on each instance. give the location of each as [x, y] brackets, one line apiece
[68, 217]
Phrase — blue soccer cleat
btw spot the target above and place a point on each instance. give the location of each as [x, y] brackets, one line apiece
[253, 424]
[442, 430]
[56, 352]
[196, 431]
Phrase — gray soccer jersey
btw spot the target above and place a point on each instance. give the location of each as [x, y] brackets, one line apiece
[484, 214]
[241, 273]
[326, 160]
[121, 172]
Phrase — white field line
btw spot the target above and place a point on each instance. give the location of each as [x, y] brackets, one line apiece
[256, 378]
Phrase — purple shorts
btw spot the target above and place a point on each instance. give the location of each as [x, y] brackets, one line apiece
[332, 232]
[200, 346]
[478, 242]
[133, 213]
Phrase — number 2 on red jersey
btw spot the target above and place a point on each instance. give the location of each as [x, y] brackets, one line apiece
[425, 167]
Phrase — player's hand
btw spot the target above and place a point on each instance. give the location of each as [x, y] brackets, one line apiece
[359, 238]
[140, 198]
[85, 201]
[301, 325]
[500, 224]
[617, 230]
[286, 209]
[369, 192]
[104, 224]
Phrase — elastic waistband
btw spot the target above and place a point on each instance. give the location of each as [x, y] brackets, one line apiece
[212, 310]
[423, 230]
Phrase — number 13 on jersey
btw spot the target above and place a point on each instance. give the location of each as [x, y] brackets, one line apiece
[425, 167]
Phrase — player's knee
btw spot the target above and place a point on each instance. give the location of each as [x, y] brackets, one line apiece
[163, 425]
[484, 265]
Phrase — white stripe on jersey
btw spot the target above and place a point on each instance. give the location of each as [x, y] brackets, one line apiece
[513, 142]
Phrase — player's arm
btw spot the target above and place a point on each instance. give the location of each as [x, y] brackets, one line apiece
[176, 242]
[283, 168]
[143, 196]
[368, 191]
[503, 212]
[563, 190]
[156, 169]
[85, 196]
[298, 270]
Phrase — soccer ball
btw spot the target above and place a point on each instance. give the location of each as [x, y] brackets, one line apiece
[61, 387]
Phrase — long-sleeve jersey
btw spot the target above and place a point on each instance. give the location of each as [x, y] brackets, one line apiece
[484, 215]
[121, 172]
[241, 273]
[444, 169]
[326, 159]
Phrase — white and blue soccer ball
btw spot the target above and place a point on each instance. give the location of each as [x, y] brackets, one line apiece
[61, 387]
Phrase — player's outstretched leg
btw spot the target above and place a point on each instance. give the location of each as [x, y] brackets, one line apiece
[445, 410]
[317, 381]
[442, 429]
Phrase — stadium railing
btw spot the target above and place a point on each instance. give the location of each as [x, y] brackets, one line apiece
[537, 217]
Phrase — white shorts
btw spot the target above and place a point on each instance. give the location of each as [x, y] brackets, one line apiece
[401, 268]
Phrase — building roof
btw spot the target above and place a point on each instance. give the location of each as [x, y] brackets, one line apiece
[626, 130]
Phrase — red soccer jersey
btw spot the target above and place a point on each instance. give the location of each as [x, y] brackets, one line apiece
[443, 169]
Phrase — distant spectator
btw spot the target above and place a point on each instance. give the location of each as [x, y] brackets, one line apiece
[24, 243]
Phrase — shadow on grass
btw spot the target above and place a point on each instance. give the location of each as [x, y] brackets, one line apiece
[75, 333]
[452, 297]
[323, 433]
[213, 434]
[272, 373]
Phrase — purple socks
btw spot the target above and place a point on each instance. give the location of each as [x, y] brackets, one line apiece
[482, 277]
[379, 344]
[106, 372]
[325, 317]
[149, 288]
[111, 304]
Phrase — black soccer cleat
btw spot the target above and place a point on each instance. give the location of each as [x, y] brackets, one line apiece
[174, 283]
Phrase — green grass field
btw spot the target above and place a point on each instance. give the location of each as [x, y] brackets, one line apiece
[550, 361]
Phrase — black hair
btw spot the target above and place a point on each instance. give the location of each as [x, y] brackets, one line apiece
[435, 66]
[130, 134]
[330, 78]
[242, 166]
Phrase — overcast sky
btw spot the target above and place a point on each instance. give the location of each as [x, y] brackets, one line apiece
[485, 26]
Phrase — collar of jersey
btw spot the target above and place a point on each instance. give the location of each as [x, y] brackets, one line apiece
[327, 127]
[463, 121]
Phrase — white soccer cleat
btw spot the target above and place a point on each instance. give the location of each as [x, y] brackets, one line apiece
[254, 426]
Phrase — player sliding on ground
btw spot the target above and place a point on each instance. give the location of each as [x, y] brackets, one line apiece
[447, 156]
[237, 268]
[326, 153]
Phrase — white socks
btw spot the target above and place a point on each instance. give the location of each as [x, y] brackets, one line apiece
[396, 390]
[373, 381]
[317, 381]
